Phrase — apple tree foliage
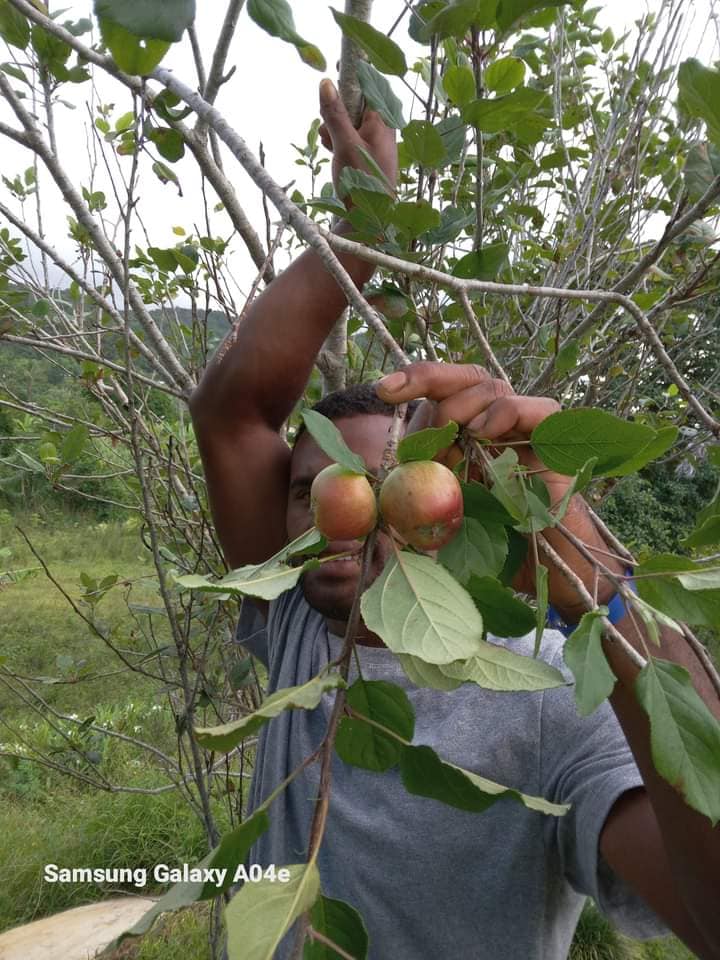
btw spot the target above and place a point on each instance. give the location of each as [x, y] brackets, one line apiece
[555, 220]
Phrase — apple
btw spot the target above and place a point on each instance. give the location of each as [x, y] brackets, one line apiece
[423, 501]
[343, 503]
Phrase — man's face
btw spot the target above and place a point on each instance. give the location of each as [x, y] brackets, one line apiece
[330, 589]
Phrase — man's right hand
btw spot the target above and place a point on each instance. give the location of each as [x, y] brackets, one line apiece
[340, 136]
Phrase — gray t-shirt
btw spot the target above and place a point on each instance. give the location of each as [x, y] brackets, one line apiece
[428, 879]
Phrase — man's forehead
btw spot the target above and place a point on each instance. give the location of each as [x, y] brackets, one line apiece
[365, 434]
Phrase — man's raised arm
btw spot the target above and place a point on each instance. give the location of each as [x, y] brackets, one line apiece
[252, 384]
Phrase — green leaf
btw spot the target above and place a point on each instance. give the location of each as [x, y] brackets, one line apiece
[415, 217]
[664, 592]
[585, 657]
[426, 444]
[150, 19]
[702, 166]
[509, 11]
[364, 745]
[477, 549]
[382, 52]
[260, 915]
[423, 144]
[480, 504]
[14, 28]
[705, 534]
[566, 440]
[327, 436]
[504, 75]
[263, 580]
[426, 775]
[415, 606]
[165, 259]
[276, 18]
[424, 674]
[165, 175]
[504, 615]
[379, 95]
[74, 443]
[169, 142]
[567, 358]
[455, 19]
[483, 264]
[452, 221]
[541, 600]
[459, 84]
[502, 670]
[227, 736]
[507, 486]
[706, 579]
[309, 543]
[684, 735]
[342, 924]
[699, 94]
[133, 55]
[505, 113]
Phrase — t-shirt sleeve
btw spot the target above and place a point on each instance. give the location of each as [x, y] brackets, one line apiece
[252, 632]
[587, 762]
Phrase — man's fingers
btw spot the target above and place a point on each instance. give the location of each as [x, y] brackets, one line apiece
[436, 381]
[422, 418]
[332, 109]
[325, 137]
[511, 415]
[467, 404]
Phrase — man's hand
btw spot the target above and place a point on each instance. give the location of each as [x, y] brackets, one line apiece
[490, 410]
[340, 136]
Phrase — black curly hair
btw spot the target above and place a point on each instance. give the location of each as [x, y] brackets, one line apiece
[358, 400]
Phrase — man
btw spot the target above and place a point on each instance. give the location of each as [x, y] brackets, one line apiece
[427, 878]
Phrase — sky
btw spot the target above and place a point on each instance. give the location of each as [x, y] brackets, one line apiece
[271, 98]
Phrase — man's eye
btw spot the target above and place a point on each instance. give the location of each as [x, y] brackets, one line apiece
[302, 493]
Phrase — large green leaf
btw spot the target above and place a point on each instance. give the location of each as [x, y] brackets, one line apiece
[423, 144]
[425, 774]
[265, 581]
[74, 443]
[382, 52]
[480, 504]
[327, 436]
[415, 606]
[483, 264]
[505, 113]
[504, 75]
[584, 655]
[657, 584]
[424, 674]
[379, 95]
[509, 11]
[226, 736]
[415, 217]
[426, 444]
[503, 613]
[702, 166]
[459, 84]
[364, 745]
[476, 550]
[497, 668]
[455, 19]
[150, 19]
[14, 28]
[706, 533]
[228, 855]
[565, 441]
[260, 915]
[276, 18]
[685, 736]
[132, 54]
[342, 924]
[699, 90]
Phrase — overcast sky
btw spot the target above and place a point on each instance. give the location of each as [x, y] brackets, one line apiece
[272, 97]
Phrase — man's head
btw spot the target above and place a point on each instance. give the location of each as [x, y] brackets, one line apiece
[364, 421]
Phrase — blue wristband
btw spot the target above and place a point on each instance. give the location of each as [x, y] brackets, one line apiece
[616, 610]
